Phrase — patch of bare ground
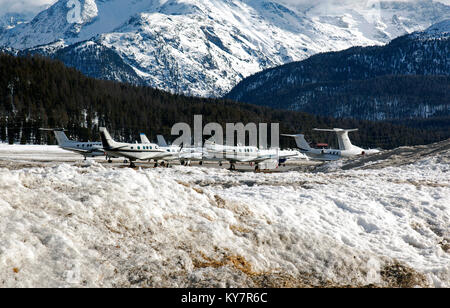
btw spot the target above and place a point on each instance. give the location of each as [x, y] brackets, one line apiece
[187, 185]
[397, 275]
[445, 245]
[240, 210]
[394, 275]
[257, 279]
[419, 184]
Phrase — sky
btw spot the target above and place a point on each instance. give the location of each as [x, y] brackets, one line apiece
[34, 6]
[23, 6]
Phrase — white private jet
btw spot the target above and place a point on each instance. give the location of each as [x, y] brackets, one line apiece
[131, 151]
[87, 149]
[264, 159]
[346, 148]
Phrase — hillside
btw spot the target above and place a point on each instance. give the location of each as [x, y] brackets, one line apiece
[48, 94]
[406, 79]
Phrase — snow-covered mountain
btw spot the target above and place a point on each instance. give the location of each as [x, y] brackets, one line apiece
[10, 20]
[11, 16]
[408, 78]
[205, 47]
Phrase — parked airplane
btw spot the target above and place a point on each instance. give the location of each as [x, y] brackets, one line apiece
[264, 159]
[346, 148]
[171, 152]
[133, 152]
[184, 154]
[87, 149]
[208, 153]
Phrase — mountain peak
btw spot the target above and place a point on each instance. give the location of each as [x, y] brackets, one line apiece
[205, 47]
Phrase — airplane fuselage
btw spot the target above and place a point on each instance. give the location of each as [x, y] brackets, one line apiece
[334, 154]
[137, 151]
[87, 149]
[230, 153]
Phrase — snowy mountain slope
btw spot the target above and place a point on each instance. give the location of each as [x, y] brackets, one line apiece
[438, 30]
[98, 61]
[64, 225]
[10, 20]
[205, 47]
[405, 79]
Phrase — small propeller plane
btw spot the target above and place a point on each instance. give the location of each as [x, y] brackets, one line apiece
[131, 151]
[87, 149]
[264, 159]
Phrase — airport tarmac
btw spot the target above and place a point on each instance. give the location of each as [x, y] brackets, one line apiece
[28, 156]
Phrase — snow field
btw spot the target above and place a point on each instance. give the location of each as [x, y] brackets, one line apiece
[95, 226]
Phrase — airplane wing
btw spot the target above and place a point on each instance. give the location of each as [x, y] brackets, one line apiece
[323, 157]
[81, 151]
[76, 150]
[117, 148]
[334, 130]
[163, 155]
[288, 155]
[257, 159]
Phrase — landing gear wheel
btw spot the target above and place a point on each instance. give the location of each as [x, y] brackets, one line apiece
[109, 161]
[132, 165]
[201, 163]
[156, 165]
[220, 164]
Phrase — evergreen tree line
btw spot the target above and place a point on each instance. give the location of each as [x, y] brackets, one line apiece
[38, 92]
[381, 98]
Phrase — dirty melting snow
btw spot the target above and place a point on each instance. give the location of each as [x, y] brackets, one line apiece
[67, 226]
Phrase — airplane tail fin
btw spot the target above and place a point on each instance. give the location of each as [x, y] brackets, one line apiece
[301, 142]
[144, 139]
[60, 136]
[161, 141]
[107, 141]
[342, 135]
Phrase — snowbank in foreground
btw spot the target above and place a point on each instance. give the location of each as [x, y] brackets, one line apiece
[95, 226]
